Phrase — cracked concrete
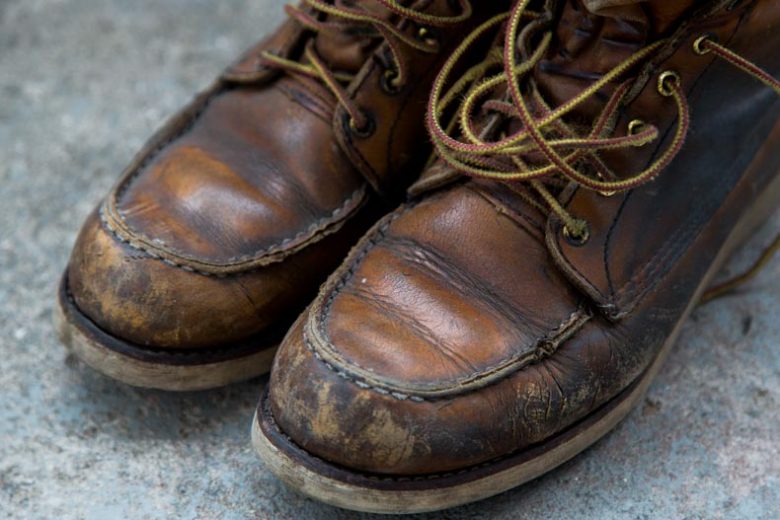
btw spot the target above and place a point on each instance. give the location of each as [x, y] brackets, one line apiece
[82, 84]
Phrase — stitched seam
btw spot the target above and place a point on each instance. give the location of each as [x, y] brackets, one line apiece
[280, 247]
[581, 278]
[496, 460]
[155, 252]
[666, 254]
[348, 140]
[545, 347]
[663, 258]
[674, 45]
[661, 262]
[312, 229]
[319, 106]
[353, 149]
[630, 289]
[658, 263]
[554, 242]
[219, 88]
[152, 254]
[608, 242]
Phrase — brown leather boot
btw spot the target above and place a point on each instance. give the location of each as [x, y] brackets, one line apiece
[220, 231]
[518, 307]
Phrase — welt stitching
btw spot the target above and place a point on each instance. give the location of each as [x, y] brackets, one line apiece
[540, 352]
[275, 248]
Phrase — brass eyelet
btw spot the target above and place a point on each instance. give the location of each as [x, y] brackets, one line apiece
[667, 82]
[363, 133]
[636, 126]
[605, 193]
[389, 82]
[698, 43]
[577, 241]
[427, 35]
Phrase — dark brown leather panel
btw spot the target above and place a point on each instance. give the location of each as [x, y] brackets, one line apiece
[620, 262]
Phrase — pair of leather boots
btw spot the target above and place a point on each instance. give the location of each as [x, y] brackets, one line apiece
[594, 163]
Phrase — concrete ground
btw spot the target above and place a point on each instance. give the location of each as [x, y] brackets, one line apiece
[82, 84]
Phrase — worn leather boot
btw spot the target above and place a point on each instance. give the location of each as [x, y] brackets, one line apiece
[519, 305]
[223, 227]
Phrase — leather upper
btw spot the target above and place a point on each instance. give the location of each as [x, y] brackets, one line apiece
[232, 215]
[465, 326]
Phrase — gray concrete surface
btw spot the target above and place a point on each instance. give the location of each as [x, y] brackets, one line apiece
[82, 84]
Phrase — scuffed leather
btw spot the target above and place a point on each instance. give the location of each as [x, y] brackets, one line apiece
[231, 216]
[392, 370]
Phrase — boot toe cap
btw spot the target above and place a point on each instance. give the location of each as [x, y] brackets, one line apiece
[137, 297]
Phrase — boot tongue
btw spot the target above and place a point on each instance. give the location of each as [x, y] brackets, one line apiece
[348, 50]
[595, 36]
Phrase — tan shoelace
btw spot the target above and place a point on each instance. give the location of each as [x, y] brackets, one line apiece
[335, 16]
[516, 157]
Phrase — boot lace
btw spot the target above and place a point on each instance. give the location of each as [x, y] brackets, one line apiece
[542, 150]
[340, 16]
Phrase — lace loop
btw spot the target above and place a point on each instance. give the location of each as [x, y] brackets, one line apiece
[544, 149]
[668, 82]
[338, 18]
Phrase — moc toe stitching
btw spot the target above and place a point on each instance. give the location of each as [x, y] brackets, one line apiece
[238, 265]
